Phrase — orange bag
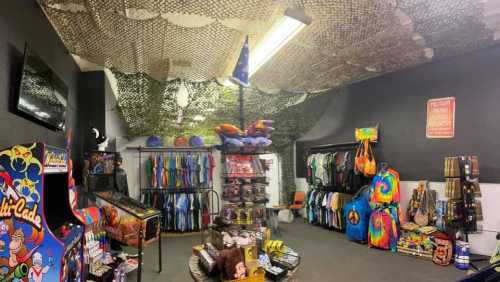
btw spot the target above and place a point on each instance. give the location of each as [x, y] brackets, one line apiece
[359, 161]
[370, 167]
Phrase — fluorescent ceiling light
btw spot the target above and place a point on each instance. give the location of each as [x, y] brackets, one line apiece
[282, 32]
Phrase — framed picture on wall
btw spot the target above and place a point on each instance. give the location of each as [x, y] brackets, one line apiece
[441, 118]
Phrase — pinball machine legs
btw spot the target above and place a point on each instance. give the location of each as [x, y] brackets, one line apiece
[141, 253]
[159, 254]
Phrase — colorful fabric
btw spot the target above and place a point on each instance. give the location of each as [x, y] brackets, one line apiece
[180, 170]
[383, 229]
[385, 188]
[357, 216]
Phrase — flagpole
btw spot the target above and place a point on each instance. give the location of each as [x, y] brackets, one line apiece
[240, 76]
[242, 113]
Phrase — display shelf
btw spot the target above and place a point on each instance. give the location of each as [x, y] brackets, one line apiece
[174, 190]
[204, 149]
[244, 176]
[225, 153]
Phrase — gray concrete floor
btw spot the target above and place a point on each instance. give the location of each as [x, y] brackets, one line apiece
[326, 256]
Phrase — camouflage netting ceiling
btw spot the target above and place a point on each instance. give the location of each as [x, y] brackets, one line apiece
[158, 49]
[347, 40]
[151, 107]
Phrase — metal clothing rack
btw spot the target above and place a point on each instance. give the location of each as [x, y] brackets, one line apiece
[205, 149]
[141, 150]
[188, 190]
[343, 146]
[334, 145]
[346, 146]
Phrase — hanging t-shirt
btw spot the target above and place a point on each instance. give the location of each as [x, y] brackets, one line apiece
[385, 187]
[357, 215]
[211, 169]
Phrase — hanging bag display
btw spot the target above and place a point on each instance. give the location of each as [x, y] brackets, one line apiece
[422, 215]
[359, 162]
[370, 167]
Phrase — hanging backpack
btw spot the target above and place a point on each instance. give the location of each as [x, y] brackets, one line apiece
[357, 215]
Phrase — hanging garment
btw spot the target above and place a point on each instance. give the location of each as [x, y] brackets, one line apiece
[180, 211]
[357, 215]
[383, 230]
[385, 187]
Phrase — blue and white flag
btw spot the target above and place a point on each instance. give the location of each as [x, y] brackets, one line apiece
[240, 73]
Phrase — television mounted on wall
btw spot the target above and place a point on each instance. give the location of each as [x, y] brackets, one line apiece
[42, 94]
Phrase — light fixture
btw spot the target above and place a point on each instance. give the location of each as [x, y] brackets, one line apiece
[182, 96]
[283, 31]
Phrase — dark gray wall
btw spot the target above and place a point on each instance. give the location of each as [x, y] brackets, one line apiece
[398, 102]
[92, 102]
[20, 22]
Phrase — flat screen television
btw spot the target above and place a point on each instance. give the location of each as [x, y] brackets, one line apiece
[42, 94]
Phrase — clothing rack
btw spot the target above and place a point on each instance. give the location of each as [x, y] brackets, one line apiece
[164, 191]
[141, 150]
[343, 179]
[334, 145]
[319, 208]
[206, 149]
[190, 190]
[345, 146]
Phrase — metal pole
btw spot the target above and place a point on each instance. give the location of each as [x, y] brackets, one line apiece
[140, 176]
[242, 113]
[159, 250]
[139, 269]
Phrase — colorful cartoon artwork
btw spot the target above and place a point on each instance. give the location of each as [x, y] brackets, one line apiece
[7, 185]
[55, 160]
[125, 217]
[28, 252]
[353, 217]
[38, 270]
[23, 154]
[26, 188]
[120, 225]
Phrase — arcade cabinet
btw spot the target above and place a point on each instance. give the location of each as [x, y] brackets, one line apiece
[40, 237]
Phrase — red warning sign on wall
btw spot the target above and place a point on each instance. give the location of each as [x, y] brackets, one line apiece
[441, 118]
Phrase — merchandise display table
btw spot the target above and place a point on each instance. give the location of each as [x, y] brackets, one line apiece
[199, 275]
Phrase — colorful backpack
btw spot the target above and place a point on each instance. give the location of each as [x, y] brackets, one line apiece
[383, 229]
[357, 215]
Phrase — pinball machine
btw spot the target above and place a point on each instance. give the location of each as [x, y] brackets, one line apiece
[40, 236]
[131, 223]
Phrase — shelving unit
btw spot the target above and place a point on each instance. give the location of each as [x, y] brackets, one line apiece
[246, 178]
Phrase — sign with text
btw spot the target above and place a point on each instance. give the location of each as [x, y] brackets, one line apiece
[55, 160]
[441, 118]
